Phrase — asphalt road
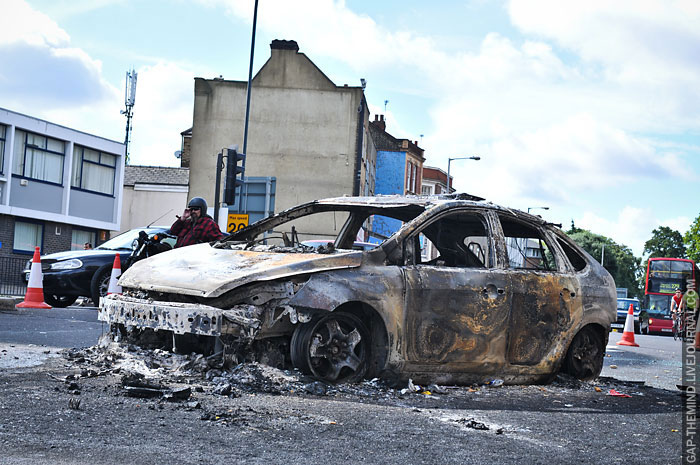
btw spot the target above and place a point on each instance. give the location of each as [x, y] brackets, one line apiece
[74, 410]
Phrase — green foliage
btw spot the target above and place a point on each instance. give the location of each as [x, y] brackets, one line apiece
[692, 240]
[618, 259]
[665, 242]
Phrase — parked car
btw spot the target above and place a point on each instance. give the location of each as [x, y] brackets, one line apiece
[508, 296]
[86, 273]
[641, 316]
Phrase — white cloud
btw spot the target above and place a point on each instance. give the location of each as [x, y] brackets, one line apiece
[632, 227]
[40, 71]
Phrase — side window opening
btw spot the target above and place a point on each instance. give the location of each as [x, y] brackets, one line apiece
[526, 246]
[576, 260]
[458, 240]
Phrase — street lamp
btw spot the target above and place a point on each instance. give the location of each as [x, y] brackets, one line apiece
[534, 208]
[449, 161]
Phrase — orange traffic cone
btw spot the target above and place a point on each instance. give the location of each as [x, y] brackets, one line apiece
[114, 287]
[34, 297]
[628, 332]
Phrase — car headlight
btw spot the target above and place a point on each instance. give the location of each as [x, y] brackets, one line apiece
[67, 264]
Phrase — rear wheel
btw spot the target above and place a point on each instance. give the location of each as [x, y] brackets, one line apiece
[584, 360]
[59, 301]
[100, 283]
[333, 348]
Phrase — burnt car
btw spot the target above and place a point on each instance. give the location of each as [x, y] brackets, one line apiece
[503, 294]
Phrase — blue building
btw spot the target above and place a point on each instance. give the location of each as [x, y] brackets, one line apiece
[399, 172]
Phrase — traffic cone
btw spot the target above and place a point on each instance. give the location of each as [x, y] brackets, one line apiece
[34, 297]
[628, 332]
[114, 287]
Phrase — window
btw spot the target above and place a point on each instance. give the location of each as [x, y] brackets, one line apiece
[27, 236]
[38, 157]
[456, 240]
[80, 237]
[3, 137]
[427, 190]
[577, 261]
[526, 246]
[93, 170]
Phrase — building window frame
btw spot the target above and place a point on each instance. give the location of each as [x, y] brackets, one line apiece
[41, 237]
[79, 244]
[3, 144]
[78, 179]
[22, 137]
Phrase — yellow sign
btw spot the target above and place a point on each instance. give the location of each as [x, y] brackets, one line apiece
[236, 222]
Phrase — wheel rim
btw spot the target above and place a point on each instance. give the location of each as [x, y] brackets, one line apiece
[104, 285]
[336, 348]
[585, 355]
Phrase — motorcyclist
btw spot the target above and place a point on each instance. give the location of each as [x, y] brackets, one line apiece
[195, 226]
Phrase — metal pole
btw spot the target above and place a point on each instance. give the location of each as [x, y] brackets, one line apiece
[449, 160]
[219, 166]
[250, 79]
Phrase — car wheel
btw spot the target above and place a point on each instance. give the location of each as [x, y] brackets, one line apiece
[584, 360]
[59, 301]
[333, 348]
[100, 283]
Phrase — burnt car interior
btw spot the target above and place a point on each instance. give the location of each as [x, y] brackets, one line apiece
[459, 240]
[526, 246]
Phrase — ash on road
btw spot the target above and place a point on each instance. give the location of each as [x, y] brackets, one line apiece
[119, 404]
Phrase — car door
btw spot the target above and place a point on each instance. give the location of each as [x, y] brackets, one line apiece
[457, 302]
[545, 293]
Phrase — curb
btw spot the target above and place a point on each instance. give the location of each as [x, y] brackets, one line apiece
[8, 303]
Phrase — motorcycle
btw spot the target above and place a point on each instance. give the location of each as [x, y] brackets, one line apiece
[141, 248]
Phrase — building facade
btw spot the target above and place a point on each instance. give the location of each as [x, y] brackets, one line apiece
[59, 187]
[434, 181]
[399, 171]
[308, 134]
[153, 195]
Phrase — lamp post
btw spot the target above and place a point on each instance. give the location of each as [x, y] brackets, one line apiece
[449, 161]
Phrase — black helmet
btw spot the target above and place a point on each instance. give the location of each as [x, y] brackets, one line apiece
[198, 202]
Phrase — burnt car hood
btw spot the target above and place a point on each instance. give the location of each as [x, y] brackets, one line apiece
[204, 271]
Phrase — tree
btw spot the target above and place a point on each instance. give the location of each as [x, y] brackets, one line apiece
[665, 242]
[692, 241]
[618, 259]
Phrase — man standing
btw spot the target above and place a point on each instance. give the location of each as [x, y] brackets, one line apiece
[195, 226]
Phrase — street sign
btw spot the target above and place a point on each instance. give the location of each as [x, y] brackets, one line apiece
[236, 222]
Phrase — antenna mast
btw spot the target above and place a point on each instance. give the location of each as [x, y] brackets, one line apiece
[129, 100]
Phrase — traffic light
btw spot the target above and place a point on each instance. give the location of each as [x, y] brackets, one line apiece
[235, 165]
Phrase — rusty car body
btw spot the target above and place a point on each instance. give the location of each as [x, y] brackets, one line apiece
[503, 295]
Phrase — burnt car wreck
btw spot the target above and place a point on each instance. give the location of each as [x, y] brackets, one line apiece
[463, 292]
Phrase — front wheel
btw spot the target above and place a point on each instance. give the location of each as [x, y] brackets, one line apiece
[59, 301]
[584, 360]
[333, 348]
[100, 283]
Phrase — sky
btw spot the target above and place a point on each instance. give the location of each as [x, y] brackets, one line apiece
[591, 109]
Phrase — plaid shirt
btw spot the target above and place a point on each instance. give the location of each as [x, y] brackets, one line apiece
[189, 233]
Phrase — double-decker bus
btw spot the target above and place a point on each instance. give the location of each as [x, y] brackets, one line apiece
[664, 276]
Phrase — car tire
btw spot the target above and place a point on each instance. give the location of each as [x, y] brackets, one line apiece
[333, 348]
[100, 283]
[59, 301]
[584, 359]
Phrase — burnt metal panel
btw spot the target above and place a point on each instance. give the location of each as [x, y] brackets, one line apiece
[456, 318]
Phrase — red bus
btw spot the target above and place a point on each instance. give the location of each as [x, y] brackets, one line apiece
[664, 276]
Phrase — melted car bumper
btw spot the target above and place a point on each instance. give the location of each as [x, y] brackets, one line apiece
[180, 318]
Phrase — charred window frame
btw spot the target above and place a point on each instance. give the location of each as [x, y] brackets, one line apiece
[527, 246]
[462, 239]
[578, 263]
